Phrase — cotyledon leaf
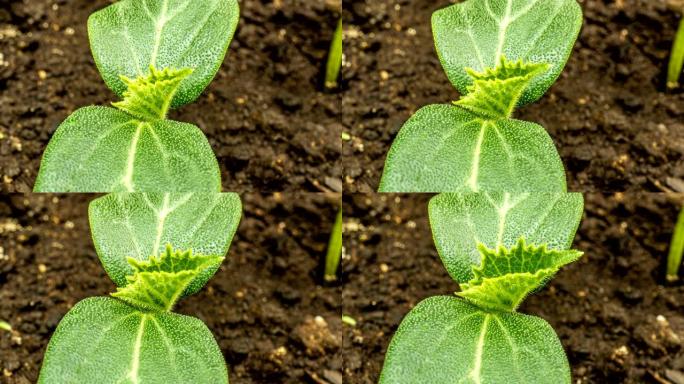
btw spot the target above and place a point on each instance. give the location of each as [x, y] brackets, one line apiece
[139, 225]
[158, 283]
[507, 276]
[460, 222]
[445, 148]
[101, 149]
[129, 36]
[103, 340]
[447, 340]
[477, 33]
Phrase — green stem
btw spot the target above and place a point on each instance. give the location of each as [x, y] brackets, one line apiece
[332, 259]
[334, 58]
[676, 58]
[674, 259]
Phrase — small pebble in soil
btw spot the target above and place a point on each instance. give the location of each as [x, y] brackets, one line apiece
[334, 377]
[620, 354]
[666, 331]
[278, 354]
[316, 336]
[677, 377]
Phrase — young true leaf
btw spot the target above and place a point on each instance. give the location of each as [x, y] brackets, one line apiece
[446, 148]
[149, 97]
[495, 92]
[462, 221]
[157, 283]
[139, 225]
[478, 33]
[506, 277]
[104, 340]
[99, 149]
[447, 340]
[129, 36]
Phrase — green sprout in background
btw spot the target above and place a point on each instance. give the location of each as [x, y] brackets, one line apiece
[332, 259]
[674, 68]
[674, 259]
[332, 72]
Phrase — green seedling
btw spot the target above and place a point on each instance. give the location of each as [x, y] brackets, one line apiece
[674, 69]
[332, 258]
[500, 248]
[499, 54]
[674, 259]
[334, 58]
[134, 336]
[155, 55]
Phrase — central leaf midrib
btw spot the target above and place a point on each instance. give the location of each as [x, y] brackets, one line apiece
[135, 359]
[158, 27]
[127, 179]
[475, 373]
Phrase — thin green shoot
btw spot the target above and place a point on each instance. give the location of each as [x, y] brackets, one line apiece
[332, 258]
[674, 69]
[334, 58]
[674, 260]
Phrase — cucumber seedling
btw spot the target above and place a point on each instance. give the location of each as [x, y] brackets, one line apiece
[157, 248]
[500, 247]
[156, 55]
[499, 54]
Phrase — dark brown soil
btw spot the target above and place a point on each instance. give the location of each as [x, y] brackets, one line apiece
[269, 124]
[261, 306]
[604, 307]
[615, 127]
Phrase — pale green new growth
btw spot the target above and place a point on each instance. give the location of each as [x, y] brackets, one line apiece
[495, 92]
[158, 282]
[149, 97]
[506, 276]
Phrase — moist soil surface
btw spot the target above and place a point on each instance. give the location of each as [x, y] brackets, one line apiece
[604, 307]
[615, 127]
[261, 306]
[269, 123]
